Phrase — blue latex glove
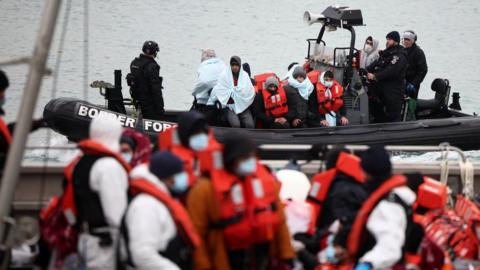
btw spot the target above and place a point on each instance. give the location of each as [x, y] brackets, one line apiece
[363, 266]
[410, 89]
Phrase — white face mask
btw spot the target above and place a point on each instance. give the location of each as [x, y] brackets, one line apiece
[127, 157]
[198, 142]
[368, 48]
[247, 167]
[180, 182]
[328, 84]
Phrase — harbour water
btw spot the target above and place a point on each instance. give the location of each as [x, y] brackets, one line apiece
[267, 34]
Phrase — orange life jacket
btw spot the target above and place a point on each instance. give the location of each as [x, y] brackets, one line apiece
[355, 237]
[321, 182]
[248, 207]
[194, 162]
[431, 195]
[5, 132]
[88, 147]
[184, 225]
[330, 103]
[275, 105]
[260, 80]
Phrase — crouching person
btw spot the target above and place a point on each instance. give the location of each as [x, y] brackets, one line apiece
[157, 230]
[238, 214]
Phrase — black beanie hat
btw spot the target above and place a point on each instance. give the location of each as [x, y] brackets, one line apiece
[376, 161]
[235, 60]
[128, 140]
[299, 71]
[3, 81]
[190, 123]
[394, 35]
[165, 164]
[236, 146]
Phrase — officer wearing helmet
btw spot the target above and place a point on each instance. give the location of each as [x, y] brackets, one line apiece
[145, 82]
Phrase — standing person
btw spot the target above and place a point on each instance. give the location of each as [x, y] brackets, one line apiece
[238, 213]
[417, 64]
[299, 90]
[145, 82]
[271, 106]
[388, 73]
[369, 53]
[100, 183]
[329, 101]
[235, 93]
[380, 230]
[208, 72]
[158, 232]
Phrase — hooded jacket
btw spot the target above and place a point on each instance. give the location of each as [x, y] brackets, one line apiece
[417, 66]
[150, 226]
[368, 58]
[388, 224]
[208, 73]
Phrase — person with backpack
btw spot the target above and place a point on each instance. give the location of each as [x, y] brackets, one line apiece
[146, 83]
[158, 231]
[99, 181]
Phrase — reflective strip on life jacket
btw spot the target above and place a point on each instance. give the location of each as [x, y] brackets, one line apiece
[248, 210]
[275, 105]
[329, 101]
[179, 214]
[355, 236]
[5, 132]
[321, 183]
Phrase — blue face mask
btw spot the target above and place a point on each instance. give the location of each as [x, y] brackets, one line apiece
[180, 182]
[247, 167]
[127, 157]
[198, 142]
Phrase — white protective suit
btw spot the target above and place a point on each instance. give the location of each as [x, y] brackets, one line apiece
[367, 58]
[150, 226]
[387, 223]
[110, 180]
[243, 94]
[208, 73]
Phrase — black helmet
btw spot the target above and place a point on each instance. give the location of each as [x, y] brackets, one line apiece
[150, 47]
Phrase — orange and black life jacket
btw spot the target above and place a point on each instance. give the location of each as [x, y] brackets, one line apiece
[321, 182]
[89, 148]
[5, 132]
[327, 102]
[357, 231]
[248, 207]
[275, 104]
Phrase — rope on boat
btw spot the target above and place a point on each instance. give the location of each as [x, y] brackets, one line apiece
[444, 166]
[467, 175]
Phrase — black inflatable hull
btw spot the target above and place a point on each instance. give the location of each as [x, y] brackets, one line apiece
[71, 117]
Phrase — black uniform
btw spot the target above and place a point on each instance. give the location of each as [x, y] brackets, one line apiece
[146, 86]
[417, 67]
[390, 70]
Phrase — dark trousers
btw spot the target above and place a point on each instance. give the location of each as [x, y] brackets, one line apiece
[150, 110]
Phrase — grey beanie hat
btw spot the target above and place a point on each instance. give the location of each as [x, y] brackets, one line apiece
[299, 71]
[271, 80]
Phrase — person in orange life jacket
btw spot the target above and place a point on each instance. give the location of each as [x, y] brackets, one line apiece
[100, 183]
[329, 99]
[235, 93]
[300, 93]
[6, 130]
[271, 106]
[238, 213]
[153, 231]
[387, 223]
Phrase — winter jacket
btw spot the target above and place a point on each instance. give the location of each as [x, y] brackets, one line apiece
[109, 180]
[204, 211]
[150, 226]
[417, 66]
[388, 224]
[367, 59]
[301, 108]
[258, 110]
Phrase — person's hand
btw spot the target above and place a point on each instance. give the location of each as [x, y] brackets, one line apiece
[296, 122]
[280, 120]
[363, 266]
[371, 76]
[410, 89]
[297, 245]
[324, 123]
[344, 121]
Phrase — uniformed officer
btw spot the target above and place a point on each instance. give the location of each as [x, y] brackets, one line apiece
[145, 82]
[388, 73]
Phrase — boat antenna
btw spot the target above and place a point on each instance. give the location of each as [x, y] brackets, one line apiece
[24, 119]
